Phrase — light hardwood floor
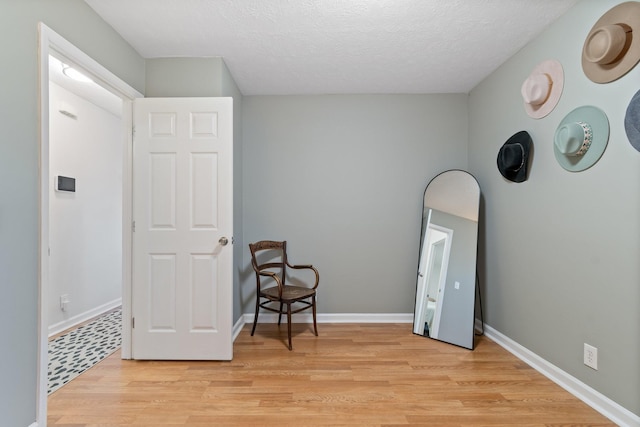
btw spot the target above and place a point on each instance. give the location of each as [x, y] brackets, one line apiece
[351, 375]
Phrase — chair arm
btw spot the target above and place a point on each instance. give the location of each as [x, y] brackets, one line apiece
[308, 267]
[300, 266]
[268, 273]
[272, 275]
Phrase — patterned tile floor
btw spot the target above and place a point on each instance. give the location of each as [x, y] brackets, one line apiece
[80, 349]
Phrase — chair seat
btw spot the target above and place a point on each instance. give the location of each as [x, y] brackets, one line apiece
[289, 293]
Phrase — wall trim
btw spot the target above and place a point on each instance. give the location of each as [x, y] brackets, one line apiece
[83, 317]
[588, 395]
[237, 328]
[247, 318]
[334, 318]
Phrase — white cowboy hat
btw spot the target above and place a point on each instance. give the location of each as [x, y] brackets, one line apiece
[542, 89]
[612, 47]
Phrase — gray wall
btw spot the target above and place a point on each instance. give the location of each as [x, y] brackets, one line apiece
[176, 77]
[560, 251]
[179, 77]
[341, 178]
[19, 183]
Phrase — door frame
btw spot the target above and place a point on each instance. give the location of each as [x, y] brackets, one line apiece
[50, 41]
[442, 280]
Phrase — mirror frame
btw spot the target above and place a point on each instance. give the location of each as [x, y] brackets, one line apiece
[456, 201]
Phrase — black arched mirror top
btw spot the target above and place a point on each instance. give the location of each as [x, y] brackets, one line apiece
[445, 289]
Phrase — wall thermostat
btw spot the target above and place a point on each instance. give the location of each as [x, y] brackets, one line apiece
[65, 183]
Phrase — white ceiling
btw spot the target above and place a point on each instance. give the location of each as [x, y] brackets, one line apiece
[337, 46]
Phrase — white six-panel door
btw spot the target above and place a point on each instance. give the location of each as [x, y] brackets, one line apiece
[182, 267]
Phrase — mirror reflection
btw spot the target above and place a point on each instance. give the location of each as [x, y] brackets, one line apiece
[445, 290]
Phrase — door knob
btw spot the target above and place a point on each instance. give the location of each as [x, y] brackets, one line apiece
[223, 241]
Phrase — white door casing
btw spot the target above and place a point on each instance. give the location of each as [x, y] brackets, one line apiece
[183, 212]
[421, 296]
[443, 276]
[50, 41]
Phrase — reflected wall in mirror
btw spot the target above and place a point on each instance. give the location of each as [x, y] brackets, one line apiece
[445, 289]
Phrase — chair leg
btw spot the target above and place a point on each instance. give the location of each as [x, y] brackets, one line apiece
[255, 318]
[280, 314]
[289, 325]
[315, 324]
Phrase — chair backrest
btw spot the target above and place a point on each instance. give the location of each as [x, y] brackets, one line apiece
[269, 255]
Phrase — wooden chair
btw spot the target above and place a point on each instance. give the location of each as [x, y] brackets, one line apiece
[269, 261]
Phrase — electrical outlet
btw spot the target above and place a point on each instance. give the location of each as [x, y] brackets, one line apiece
[591, 356]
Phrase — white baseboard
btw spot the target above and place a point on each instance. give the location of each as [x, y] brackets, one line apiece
[335, 318]
[83, 317]
[593, 398]
[33, 425]
[237, 328]
[325, 318]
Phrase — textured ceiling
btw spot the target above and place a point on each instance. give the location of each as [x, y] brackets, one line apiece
[337, 46]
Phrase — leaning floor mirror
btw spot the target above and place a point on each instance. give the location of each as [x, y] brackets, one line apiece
[446, 283]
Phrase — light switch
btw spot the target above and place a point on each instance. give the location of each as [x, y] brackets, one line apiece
[457, 285]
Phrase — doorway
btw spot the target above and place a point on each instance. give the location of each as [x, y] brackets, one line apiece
[85, 220]
[53, 44]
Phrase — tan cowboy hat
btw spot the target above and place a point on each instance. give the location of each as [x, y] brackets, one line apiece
[542, 89]
[612, 47]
